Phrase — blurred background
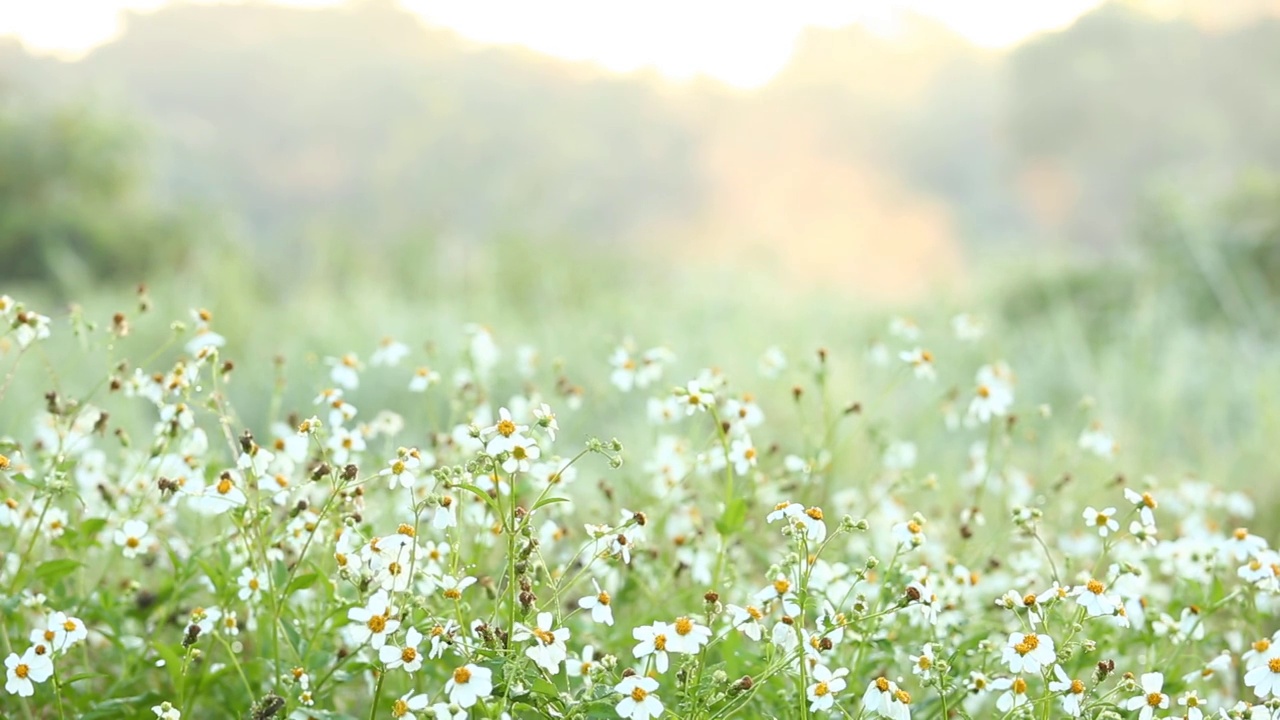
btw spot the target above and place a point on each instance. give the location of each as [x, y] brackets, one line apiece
[1100, 180]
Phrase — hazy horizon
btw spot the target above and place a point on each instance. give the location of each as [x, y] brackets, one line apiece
[676, 40]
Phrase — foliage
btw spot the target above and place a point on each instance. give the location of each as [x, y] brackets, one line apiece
[74, 205]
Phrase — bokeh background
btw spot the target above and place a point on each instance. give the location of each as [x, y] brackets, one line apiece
[1099, 181]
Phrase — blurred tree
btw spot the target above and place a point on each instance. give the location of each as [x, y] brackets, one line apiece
[73, 201]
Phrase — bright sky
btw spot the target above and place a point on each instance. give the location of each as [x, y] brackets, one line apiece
[740, 42]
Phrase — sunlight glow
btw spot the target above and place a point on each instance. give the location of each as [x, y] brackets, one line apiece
[739, 43]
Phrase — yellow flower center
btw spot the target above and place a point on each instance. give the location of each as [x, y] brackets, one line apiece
[397, 467]
[461, 676]
[984, 391]
[684, 626]
[781, 586]
[1193, 701]
[1154, 699]
[815, 513]
[882, 684]
[132, 542]
[1262, 645]
[409, 654]
[660, 642]
[1095, 587]
[754, 612]
[518, 452]
[924, 663]
[545, 636]
[506, 428]
[224, 485]
[1274, 665]
[452, 593]
[1101, 519]
[1241, 533]
[49, 635]
[603, 598]
[1031, 640]
[377, 623]
[913, 527]
[638, 694]
[1077, 687]
[1019, 686]
[400, 709]
[21, 671]
[821, 689]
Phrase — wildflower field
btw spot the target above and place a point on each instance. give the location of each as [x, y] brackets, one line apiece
[590, 506]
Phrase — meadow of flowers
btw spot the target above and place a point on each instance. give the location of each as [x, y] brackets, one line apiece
[892, 525]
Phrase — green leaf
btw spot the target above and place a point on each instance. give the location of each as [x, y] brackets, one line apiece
[548, 501]
[488, 499]
[84, 676]
[301, 582]
[734, 517]
[54, 570]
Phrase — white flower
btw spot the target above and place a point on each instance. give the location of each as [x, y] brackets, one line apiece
[468, 684]
[1192, 702]
[1103, 520]
[452, 587]
[1072, 691]
[1265, 678]
[423, 378]
[1098, 442]
[504, 434]
[1014, 695]
[742, 454]
[546, 420]
[599, 604]
[401, 470]
[407, 704]
[772, 362]
[826, 684]
[967, 328]
[1151, 697]
[696, 399]
[923, 663]
[689, 636]
[921, 362]
[992, 395]
[1092, 596]
[407, 657]
[653, 641]
[390, 352]
[583, 667]
[345, 371]
[1028, 652]
[133, 538]
[21, 672]
[548, 649]
[250, 584]
[1242, 544]
[884, 698]
[899, 456]
[523, 451]
[639, 701]
[60, 632]
[446, 514]
[372, 623]
[746, 619]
